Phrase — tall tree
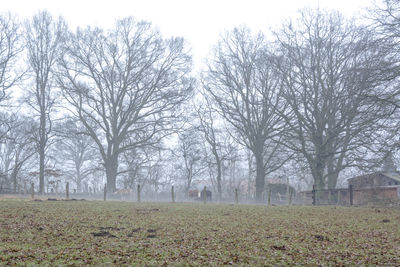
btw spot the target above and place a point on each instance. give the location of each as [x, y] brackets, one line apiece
[10, 72]
[386, 16]
[242, 81]
[328, 65]
[22, 146]
[133, 161]
[44, 42]
[189, 151]
[124, 83]
[10, 49]
[75, 151]
[386, 22]
[16, 149]
[208, 127]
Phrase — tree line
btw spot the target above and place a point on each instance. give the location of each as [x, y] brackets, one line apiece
[310, 102]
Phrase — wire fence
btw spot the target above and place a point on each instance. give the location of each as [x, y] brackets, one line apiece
[351, 196]
[339, 196]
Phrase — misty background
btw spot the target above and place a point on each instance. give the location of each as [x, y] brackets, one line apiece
[312, 100]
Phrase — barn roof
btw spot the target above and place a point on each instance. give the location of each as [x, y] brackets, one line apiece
[392, 175]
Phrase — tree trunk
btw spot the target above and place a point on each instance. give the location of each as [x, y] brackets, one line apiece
[14, 179]
[250, 174]
[332, 175]
[15, 173]
[79, 185]
[219, 175]
[260, 177]
[189, 177]
[318, 179]
[188, 184]
[317, 170]
[78, 180]
[41, 169]
[111, 173]
[42, 139]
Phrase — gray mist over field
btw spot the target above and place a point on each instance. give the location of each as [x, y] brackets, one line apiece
[271, 112]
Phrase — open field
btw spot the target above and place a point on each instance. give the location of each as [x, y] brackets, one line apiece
[121, 233]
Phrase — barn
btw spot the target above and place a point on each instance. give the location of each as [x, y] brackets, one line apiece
[376, 179]
[376, 186]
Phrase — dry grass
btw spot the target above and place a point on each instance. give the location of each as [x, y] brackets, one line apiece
[121, 233]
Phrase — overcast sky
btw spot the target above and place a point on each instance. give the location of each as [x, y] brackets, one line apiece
[199, 21]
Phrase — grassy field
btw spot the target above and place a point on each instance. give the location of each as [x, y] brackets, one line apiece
[121, 233]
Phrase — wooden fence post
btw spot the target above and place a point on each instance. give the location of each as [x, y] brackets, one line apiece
[290, 197]
[105, 192]
[172, 194]
[236, 196]
[138, 193]
[67, 191]
[351, 194]
[339, 197]
[314, 200]
[205, 195]
[32, 190]
[329, 196]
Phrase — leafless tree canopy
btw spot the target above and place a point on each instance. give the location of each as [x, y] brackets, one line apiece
[312, 102]
[10, 49]
[245, 86]
[123, 85]
[44, 40]
[328, 67]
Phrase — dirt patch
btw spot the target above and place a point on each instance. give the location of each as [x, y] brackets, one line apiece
[110, 228]
[133, 231]
[278, 247]
[103, 234]
[146, 211]
[321, 238]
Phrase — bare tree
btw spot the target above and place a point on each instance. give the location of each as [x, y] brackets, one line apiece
[124, 83]
[44, 40]
[241, 80]
[75, 151]
[328, 66]
[386, 16]
[132, 162]
[10, 49]
[136, 164]
[16, 148]
[208, 127]
[189, 150]
[10, 74]
[23, 149]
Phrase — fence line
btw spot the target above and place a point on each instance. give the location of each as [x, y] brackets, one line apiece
[339, 196]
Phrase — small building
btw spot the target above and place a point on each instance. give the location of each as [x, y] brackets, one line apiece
[376, 186]
[376, 179]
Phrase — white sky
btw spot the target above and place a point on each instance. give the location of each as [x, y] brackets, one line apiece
[199, 21]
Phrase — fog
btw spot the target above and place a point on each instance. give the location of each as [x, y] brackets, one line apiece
[312, 101]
